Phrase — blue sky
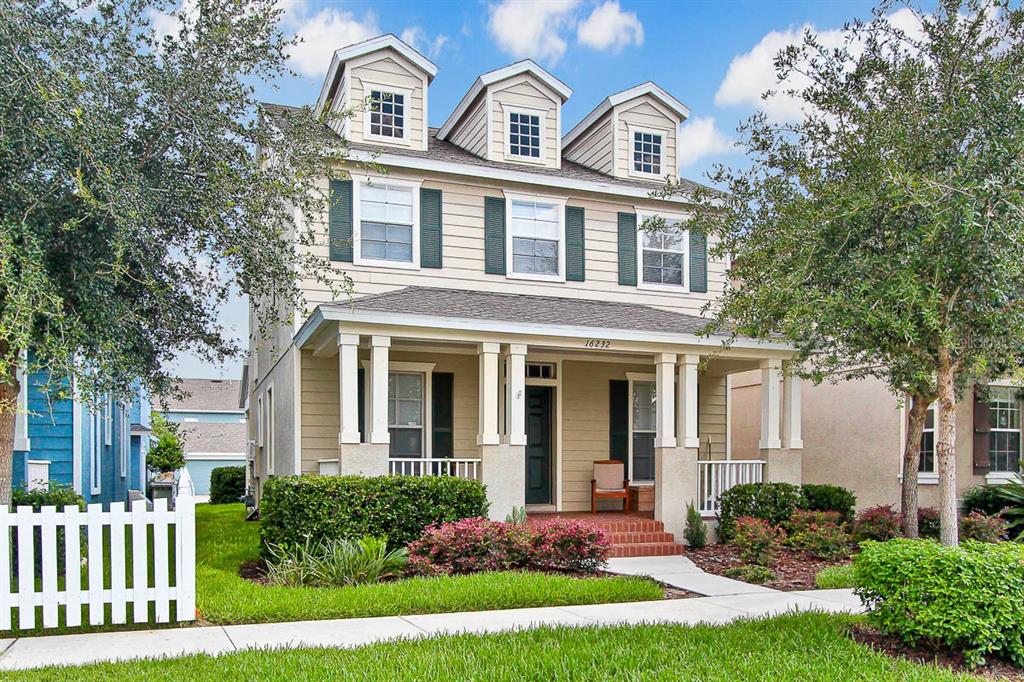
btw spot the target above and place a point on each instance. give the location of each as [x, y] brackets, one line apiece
[714, 56]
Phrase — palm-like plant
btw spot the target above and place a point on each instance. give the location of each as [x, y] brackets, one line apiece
[1013, 495]
[357, 562]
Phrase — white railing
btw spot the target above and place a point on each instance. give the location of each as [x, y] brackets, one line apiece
[412, 466]
[716, 476]
[124, 544]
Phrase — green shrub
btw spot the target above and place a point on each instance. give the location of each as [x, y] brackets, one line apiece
[772, 502]
[752, 573]
[696, 531]
[757, 540]
[829, 498]
[984, 499]
[803, 519]
[335, 563]
[825, 541]
[977, 526]
[1012, 494]
[968, 598]
[349, 507]
[168, 454]
[836, 577]
[928, 524]
[877, 523]
[227, 485]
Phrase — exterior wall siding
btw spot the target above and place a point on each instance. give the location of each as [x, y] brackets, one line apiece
[388, 69]
[596, 148]
[471, 133]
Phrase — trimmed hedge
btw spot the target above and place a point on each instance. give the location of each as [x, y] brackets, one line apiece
[829, 498]
[968, 598]
[771, 502]
[227, 485]
[293, 508]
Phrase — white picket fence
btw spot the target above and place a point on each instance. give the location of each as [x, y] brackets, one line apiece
[714, 477]
[417, 466]
[107, 565]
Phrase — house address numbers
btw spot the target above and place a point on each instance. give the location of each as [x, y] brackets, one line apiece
[598, 343]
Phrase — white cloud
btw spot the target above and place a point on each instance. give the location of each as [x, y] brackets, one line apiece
[416, 37]
[700, 137]
[525, 28]
[322, 34]
[609, 28]
[752, 73]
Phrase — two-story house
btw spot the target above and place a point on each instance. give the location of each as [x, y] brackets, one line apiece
[510, 320]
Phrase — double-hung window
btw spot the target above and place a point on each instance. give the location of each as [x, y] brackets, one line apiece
[524, 134]
[387, 114]
[646, 152]
[536, 239]
[926, 465]
[663, 257]
[644, 423]
[405, 414]
[386, 223]
[1005, 429]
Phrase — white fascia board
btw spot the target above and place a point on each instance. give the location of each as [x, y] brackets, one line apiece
[496, 76]
[471, 170]
[648, 88]
[347, 314]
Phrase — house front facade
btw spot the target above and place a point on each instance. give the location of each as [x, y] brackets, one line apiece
[510, 321]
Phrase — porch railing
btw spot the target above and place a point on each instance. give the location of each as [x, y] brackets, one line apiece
[716, 476]
[412, 466]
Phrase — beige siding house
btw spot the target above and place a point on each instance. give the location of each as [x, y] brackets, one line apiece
[510, 322]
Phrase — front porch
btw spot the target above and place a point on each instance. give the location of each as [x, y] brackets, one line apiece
[527, 409]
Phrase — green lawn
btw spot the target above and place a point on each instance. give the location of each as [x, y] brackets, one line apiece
[806, 647]
[224, 542]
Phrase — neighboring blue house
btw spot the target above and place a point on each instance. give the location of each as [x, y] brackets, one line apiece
[102, 454]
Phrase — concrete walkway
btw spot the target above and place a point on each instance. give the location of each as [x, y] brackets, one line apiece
[678, 571]
[33, 652]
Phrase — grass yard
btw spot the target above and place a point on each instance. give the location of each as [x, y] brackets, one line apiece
[806, 647]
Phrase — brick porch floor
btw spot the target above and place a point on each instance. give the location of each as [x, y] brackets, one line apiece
[632, 534]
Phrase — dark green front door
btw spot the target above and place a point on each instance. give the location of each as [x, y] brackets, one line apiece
[538, 445]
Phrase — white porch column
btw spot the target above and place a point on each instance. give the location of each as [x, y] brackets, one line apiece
[665, 407]
[379, 346]
[689, 435]
[515, 395]
[348, 375]
[770, 371]
[488, 399]
[791, 427]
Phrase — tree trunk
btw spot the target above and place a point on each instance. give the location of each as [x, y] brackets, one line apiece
[945, 452]
[911, 463]
[8, 407]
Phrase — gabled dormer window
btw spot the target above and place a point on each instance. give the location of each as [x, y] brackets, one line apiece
[647, 152]
[524, 135]
[387, 114]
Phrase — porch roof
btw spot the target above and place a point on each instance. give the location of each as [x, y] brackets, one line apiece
[525, 309]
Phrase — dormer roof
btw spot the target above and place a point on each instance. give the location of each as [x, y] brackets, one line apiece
[496, 76]
[648, 88]
[348, 52]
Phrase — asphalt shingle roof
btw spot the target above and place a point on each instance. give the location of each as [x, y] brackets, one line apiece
[525, 308]
[206, 394]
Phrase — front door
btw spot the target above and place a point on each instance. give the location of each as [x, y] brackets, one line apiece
[538, 444]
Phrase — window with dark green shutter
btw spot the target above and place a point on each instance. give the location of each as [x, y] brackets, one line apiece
[698, 262]
[575, 244]
[494, 235]
[340, 220]
[442, 415]
[430, 228]
[627, 249]
[618, 422]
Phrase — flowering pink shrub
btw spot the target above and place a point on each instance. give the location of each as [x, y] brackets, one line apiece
[757, 539]
[803, 519]
[476, 544]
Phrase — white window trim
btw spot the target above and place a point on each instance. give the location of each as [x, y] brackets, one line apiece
[368, 87]
[357, 222]
[923, 477]
[21, 439]
[108, 419]
[559, 203]
[258, 425]
[268, 449]
[424, 368]
[642, 216]
[542, 115]
[1001, 475]
[95, 453]
[637, 377]
[126, 441]
[631, 130]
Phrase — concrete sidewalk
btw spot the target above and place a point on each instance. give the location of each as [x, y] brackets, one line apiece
[33, 652]
[679, 571]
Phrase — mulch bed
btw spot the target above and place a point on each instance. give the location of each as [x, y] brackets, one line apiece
[794, 570]
[893, 646]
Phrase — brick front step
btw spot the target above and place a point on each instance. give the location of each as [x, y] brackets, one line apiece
[629, 525]
[646, 549]
[645, 537]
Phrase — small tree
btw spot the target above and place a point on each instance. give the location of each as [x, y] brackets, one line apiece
[168, 454]
[883, 233]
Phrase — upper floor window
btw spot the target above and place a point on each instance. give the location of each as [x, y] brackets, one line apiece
[646, 152]
[927, 462]
[1005, 424]
[386, 223]
[387, 114]
[524, 135]
[536, 239]
[663, 257]
[405, 413]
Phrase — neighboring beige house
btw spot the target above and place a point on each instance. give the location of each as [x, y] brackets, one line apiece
[509, 321]
[854, 433]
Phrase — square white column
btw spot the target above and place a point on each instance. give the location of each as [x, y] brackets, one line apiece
[488, 398]
[770, 376]
[348, 376]
[379, 346]
[689, 436]
[791, 402]
[515, 394]
[665, 407]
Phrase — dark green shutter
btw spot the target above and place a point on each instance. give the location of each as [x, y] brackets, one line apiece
[441, 415]
[494, 235]
[618, 422]
[575, 244]
[340, 220]
[698, 262]
[627, 249]
[430, 228]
